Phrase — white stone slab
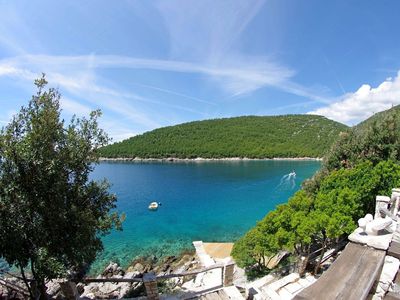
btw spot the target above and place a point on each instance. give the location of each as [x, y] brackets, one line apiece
[284, 281]
[285, 294]
[233, 292]
[293, 287]
[204, 258]
[311, 279]
[304, 282]
[261, 281]
[271, 294]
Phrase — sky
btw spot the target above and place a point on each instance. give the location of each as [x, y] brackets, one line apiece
[149, 64]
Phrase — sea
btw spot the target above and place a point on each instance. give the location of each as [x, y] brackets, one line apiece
[212, 201]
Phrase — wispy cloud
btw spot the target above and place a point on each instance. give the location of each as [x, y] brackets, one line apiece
[235, 77]
[74, 107]
[202, 39]
[83, 84]
[355, 107]
[205, 30]
[175, 93]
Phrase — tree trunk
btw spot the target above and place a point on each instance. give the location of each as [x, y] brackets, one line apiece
[317, 266]
[304, 263]
[269, 259]
[26, 281]
[42, 289]
[40, 284]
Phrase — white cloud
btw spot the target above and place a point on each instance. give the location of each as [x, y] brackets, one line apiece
[9, 70]
[355, 107]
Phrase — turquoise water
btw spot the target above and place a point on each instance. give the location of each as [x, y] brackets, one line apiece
[209, 201]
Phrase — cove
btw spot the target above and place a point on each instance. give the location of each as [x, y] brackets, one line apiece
[208, 200]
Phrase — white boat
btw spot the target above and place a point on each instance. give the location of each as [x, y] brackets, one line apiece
[153, 206]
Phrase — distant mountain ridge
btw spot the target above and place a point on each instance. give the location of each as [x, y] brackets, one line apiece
[248, 136]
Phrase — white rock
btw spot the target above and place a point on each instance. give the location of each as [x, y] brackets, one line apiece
[362, 222]
[108, 288]
[90, 296]
[114, 267]
[368, 218]
[53, 286]
[378, 224]
[124, 288]
[131, 275]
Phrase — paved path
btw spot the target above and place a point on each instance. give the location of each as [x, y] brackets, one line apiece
[204, 258]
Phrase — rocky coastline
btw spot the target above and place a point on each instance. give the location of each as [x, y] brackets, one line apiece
[187, 261]
[202, 159]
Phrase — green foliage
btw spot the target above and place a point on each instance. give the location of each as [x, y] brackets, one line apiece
[363, 163]
[375, 139]
[316, 219]
[251, 136]
[51, 214]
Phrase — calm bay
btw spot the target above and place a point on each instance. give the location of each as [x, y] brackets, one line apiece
[208, 200]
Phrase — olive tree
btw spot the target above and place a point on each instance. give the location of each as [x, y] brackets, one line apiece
[52, 216]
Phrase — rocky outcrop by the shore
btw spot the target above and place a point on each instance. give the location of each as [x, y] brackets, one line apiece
[110, 290]
[113, 290]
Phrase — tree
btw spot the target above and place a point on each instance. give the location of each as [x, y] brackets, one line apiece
[52, 216]
[317, 220]
[363, 163]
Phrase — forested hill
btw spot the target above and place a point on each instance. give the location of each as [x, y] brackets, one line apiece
[249, 136]
[378, 117]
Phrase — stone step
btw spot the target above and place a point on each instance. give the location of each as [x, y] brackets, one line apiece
[233, 293]
[223, 295]
[284, 281]
[204, 258]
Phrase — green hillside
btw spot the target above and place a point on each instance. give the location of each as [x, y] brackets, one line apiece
[249, 136]
[374, 139]
[378, 117]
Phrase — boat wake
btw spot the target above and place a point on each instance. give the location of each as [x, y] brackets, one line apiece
[288, 180]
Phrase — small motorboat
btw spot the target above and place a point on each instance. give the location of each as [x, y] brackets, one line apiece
[153, 206]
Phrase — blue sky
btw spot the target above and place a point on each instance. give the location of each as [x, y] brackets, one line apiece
[148, 64]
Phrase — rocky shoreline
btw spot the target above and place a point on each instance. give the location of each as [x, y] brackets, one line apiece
[202, 159]
[187, 261]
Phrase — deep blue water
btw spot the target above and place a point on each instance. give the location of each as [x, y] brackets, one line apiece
[209, 201]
